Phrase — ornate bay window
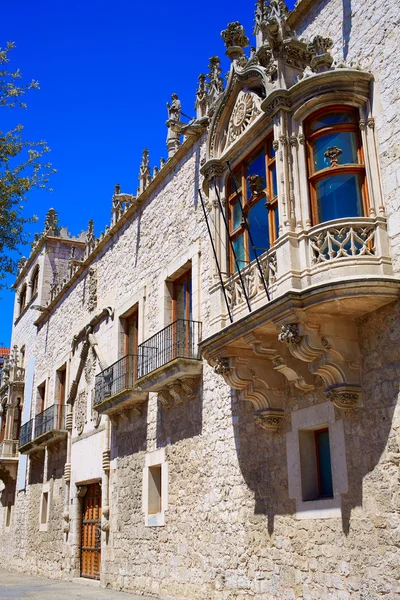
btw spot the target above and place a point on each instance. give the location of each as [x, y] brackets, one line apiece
[336, 165]
[256, 192]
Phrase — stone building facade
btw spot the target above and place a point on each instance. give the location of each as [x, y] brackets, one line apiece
[202, 401]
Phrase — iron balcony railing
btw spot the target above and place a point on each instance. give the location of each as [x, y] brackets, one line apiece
[25, 435]
[180, 339]
[51, 418]
[118, 377]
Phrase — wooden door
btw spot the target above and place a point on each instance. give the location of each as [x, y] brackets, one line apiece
[91, 532]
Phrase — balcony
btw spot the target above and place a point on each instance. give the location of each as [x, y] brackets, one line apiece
[115, 387]
[9, 458]
[320, 281]
[170, 359]
[47, 427]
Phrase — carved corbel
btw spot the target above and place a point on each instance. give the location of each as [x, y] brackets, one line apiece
[165, 399]
[81, 491]
[256, 383]
[333, 357]
[283, 362]
[189, 387]
[269, 420]
[176, 392]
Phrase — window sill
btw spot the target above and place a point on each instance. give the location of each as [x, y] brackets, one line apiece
[322, 508]
[155, 520]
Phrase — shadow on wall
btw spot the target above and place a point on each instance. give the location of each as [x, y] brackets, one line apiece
[130, 438]
[36, 468]
[346, 27]
[262, 455]
[180, 422]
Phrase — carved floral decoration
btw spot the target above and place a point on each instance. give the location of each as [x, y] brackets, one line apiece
[245, 111]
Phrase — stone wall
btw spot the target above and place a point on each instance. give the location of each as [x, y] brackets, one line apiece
[231, 531]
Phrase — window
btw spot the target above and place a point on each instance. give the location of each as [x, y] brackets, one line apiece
[336, 165]
[8, 514]
[256, 193]
[44, 508]
[41, 397]
[22, 299]
[61, 376]
[155, 488]
[22, 357]
[35, 281]
[315, 460]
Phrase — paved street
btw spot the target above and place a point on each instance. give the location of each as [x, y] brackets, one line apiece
[18, 586]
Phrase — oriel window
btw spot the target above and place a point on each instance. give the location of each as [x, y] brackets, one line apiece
[336, 165]
[256, 192]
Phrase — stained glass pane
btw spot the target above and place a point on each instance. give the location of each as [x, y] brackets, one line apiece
[339, 197]
[258, 225]
[332, 119]
[346, 141]
[236, 214]
[324, 464]
[238, 246]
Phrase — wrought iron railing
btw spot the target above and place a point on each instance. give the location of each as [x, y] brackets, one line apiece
[25, 435]
[180, 339]
[116, 378]
[51, 418]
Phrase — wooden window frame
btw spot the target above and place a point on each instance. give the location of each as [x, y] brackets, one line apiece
[356, 168]
[271, 202]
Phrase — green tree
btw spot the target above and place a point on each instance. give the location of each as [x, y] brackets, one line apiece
[22, 168]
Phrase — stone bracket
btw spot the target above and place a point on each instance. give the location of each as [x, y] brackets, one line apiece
[179, 391]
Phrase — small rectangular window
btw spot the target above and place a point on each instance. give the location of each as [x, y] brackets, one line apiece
[44, 508]
[315, 461]
[154, 491]
[41, 397]
[8, 514]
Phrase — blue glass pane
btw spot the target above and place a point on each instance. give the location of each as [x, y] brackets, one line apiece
[339, 197]
[276, 217]
[324, 464]
[332, 119]
[256, 166]
[236, 214]
[258, 225]
[274, 182]
[345, 140]
[238, 246]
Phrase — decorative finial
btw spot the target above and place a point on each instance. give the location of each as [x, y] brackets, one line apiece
[144, 174]
[201, 104]
[215, 85]
[51, 223]
[235, 40]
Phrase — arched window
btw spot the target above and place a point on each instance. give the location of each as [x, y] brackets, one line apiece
[22, 299]
[35, 281]
[256, 192]
[336, 165]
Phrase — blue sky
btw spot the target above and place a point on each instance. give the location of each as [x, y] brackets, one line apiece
[106, 71]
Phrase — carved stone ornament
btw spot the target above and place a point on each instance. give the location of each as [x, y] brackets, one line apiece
[178, 392]
[92, 289]
[235, 40]
[80, 411]
[344, 398]
[51, 223]
[269, 420]
[333, 153]
[221, 366]
[256, 184]
[245, 111]
[290, 334]
[81, 491]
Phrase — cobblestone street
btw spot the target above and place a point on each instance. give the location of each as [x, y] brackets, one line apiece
[18, 586]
